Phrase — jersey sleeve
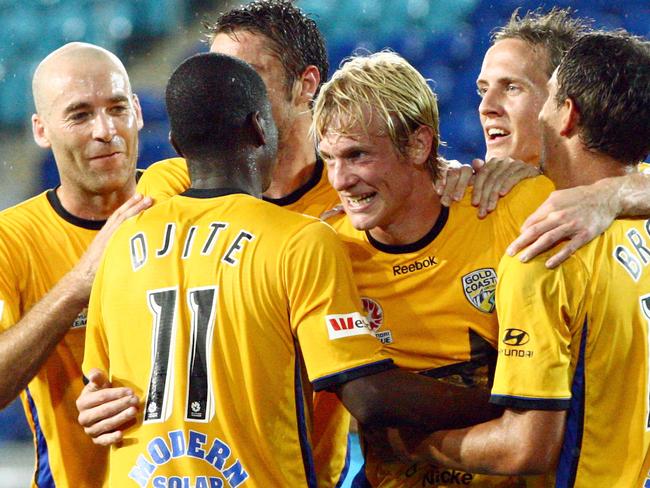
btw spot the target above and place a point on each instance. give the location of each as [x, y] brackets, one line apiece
[10, 277]
[326, 312]
[164, 179]
[96, 348]
[538, 312]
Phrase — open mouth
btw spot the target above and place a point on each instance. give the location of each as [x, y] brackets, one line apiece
[495, 134]
[359, 201]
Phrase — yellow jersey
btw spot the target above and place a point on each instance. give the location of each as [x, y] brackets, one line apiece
[39, 243]
[170, 177]
[231, 304]
[431, 304]
[576, 338]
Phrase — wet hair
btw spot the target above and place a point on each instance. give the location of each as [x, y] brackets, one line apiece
[607, 75]
[294, 38]
[387, 85]
[210, 98]
[555, 31]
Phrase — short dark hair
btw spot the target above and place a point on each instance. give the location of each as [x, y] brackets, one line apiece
[607, 75]
[555, 31]
[209, 99]
[295, 38]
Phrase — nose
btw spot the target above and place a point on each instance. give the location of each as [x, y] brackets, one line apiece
[103, 127]
[340, 175]
[490, 103]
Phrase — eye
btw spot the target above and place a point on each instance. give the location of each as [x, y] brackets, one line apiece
[512, 88]
[78, 116]
[481, 91]
[119, 109]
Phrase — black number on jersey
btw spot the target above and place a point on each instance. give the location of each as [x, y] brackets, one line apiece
[163, 304]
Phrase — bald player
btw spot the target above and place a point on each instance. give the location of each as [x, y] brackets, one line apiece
[88, 116]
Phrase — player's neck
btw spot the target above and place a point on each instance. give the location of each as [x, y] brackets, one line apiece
[296, 161]
[419, 215]
[92, 206]
[585, 167]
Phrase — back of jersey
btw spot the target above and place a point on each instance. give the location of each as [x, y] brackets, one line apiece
[198, 306]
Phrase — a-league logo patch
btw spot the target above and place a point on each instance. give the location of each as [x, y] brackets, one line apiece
[479, 287]
[375, 318]
[374, 313]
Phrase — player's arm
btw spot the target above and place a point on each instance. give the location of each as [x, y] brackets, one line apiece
[489, 180]
[26, 345]
[519, 442]
[580, 214]
[397, 397]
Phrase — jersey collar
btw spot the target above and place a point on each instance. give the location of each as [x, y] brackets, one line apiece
[417, 245]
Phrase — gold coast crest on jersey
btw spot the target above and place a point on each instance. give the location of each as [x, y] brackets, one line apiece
[479, 287]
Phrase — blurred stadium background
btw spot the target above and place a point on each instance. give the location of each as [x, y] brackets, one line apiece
[444, 39]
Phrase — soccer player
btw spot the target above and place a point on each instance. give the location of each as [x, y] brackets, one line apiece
[512, 85]
[573, 350]
[50, 245]
[426, 272]
[288, 51]
[239, 305]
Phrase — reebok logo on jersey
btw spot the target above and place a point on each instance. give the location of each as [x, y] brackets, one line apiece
[414, 266]
[346, 325]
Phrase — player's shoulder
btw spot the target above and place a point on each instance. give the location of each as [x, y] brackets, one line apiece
[165, 166]
[538, 187]
[26, 213]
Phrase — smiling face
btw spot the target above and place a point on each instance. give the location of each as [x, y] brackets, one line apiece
[374, 181]
[512, 84]
[90, 119]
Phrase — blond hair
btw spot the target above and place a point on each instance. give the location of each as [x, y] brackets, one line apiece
[384, 84]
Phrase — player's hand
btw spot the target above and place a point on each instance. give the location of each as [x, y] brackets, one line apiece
[453, 181]
[86, 268]
[495, 179]
[104, 411]
[576, 214]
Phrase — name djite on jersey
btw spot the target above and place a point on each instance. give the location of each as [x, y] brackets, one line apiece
[141, 248]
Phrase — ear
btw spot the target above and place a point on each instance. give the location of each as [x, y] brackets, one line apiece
[40, 132]
[307, 85]
[420, 144]
[138, 111]
[570, 118]
[172, 141]
[257, 125]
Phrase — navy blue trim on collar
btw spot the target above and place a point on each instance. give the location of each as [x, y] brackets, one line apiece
[54, 200]
[417, 245]
[211, 192]
[297, 194]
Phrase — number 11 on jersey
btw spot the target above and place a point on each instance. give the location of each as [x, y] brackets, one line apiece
[199, 401]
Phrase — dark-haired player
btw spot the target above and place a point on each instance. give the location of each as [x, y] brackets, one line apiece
[227, 318]
[573, 351]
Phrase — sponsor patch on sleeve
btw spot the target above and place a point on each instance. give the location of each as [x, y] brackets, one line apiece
[346, 325]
